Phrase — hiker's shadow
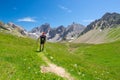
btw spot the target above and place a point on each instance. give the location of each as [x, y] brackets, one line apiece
[38, 51]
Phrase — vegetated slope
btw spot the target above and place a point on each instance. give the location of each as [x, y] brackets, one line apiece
[93, 36]
[19, 60]
[97, 31]
[97, 36]
[87, 61]
[113, 34]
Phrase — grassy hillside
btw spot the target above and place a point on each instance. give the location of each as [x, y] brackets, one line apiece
[114, 34]
[87, 62]
[95, 36]
[19, 60]
[98, 36]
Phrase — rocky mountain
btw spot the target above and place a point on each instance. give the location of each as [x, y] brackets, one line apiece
[59, 33]
[108, 20]
[73, 31]
[13, 29]
[105, 29]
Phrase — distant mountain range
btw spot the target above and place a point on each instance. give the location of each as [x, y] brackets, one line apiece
[53, 34]
[105, 29]
[59, 33]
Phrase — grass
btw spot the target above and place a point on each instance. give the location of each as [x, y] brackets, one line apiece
[87, 62]
[114, 33]
[19, 60]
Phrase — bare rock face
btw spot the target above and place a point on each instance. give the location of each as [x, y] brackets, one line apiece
[73, 30]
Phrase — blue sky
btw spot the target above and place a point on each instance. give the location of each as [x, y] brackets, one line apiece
[33, 13]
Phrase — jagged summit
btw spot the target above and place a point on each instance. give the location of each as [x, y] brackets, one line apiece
[43, 28]
[108, 20]
[110, 15]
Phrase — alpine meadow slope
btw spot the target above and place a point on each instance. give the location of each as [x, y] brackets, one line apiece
[20, 61]
[87, 61]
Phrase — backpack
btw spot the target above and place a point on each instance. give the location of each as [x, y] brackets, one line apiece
[42, 39]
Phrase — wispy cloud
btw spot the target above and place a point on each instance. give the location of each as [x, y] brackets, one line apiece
[65, 8]
[27, 19]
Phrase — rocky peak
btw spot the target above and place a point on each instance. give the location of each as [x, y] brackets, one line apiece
[14, 26]
[108, 20]
[75, 27]
[14, 29]
[73, 30]
[43, 28]
[108, 16]
[60, 29]
[17, 28]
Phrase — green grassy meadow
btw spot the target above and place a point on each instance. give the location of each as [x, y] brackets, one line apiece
[114, 33]
[87, 62]
[20, 61]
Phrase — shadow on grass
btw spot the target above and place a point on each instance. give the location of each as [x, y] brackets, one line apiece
[38, 51]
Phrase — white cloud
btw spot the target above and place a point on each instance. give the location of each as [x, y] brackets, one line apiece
[65, 8]
[27, 19]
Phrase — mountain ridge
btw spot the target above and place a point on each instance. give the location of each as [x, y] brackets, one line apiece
[53, 34]
[13, 29]
[108, 20]
[98, 31]
[59, 33]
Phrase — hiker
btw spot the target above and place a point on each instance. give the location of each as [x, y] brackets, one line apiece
[42, 41]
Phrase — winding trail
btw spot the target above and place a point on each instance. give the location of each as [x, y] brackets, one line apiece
[53, 68]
